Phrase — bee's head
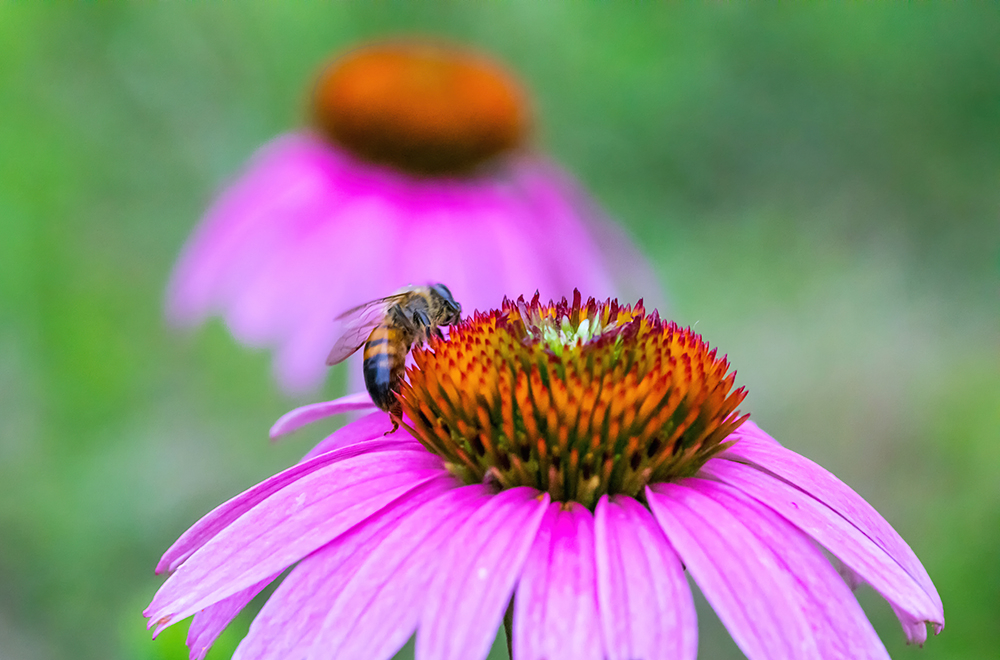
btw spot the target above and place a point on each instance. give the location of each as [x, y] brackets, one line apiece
[452, 310]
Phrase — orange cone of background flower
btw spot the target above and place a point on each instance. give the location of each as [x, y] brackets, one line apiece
[417, 168]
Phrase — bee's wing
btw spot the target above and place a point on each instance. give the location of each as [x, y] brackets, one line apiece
[375, 307]
[351, 340]
[358, 324]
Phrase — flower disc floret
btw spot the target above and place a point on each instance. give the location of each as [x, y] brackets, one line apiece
[577, 400]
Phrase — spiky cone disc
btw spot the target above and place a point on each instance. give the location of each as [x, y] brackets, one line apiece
[576, 400]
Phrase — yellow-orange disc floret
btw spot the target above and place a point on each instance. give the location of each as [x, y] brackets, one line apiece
[576, 400]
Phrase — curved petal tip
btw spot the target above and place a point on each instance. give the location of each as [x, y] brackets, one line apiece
[296, 419]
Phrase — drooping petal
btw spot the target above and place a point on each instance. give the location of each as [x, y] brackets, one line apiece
[915, 629]
[850, 577]
[466, 602]
[294, 420]
[330, 234]
[758, 448]
[208, 624]
[220, 517]
[293, 617]
[837, 534]
[820, 593]
[292, 523]
[240, 229]
[737, 573]
[646, 607]
[378, 609]
[348, 262]
[633, 275]
[555, 609]
[431, 247]
[260, 312]
[547, 189]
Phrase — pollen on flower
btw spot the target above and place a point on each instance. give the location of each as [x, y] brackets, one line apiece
[423, 107]
[579, 400]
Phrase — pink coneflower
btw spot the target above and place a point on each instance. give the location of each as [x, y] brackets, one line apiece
[417, 168]
[565, 464]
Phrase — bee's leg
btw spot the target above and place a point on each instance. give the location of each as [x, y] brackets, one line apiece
[395, 414]
[421, 319]
[423, 325]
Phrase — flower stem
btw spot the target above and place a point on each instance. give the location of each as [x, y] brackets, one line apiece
[508, 627]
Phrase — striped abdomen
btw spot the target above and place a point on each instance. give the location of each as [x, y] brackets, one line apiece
[385, 360]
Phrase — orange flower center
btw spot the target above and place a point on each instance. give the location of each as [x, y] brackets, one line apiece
[576, 400]
[423, 107]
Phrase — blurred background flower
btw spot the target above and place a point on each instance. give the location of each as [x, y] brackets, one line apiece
[820, 187]
[419, 170]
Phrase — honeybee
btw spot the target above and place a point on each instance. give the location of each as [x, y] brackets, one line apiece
[388, 328]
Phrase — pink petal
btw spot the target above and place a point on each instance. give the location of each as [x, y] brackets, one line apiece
[350, 260]
[870, 560]
[292, 523]
[555, 610]
[240, 231]
[645, 603]
[224, 514]
[633, 275]
[432, 252]
[378, 609]
[293, 617]
[737, 573]
[374, 426]
[749, 432]
[483, 560]
[915, 629]
[548, 189]
[758, 448]
[508, 245]
[209, 623]
[294, 420]
[266, 307]
[839, 625]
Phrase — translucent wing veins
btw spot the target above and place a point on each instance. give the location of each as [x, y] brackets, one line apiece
[358, 323]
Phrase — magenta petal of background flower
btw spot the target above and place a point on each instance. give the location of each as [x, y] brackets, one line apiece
[238, 231]
[378, 609]
[737, 573]
[646, 606]
[558, 200]
[308, 231]
[820, 592]
[852, 546]
[221, 516]
[295, 419]
[760, 449]
[267, 308]
[466, 603]
[292, 523]
[293, 617]
[208, 624]
[555, 611]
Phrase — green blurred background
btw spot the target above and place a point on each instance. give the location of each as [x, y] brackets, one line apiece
[818, 187]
